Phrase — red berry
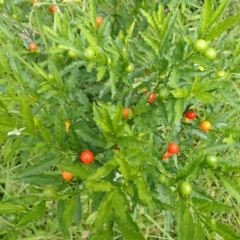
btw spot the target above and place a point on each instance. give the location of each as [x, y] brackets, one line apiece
[53, 8]
[191, 114]
[173, 148]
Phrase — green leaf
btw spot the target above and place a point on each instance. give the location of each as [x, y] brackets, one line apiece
[189, 168]
[103, 171]
[180, 210]
[33, 214]
[149, 18]
[74, 140]
[204, 205]
[130, 142]
[103, 215]
[41, 179]
[180, 92]
[128, 227]
[117, 117]
[179, 109]
[219, 11]
[60, 216]
[225, 231]
[26, 113]
[221, 27]
[232, 188]
[101, 186]
[144, 192]
[59, 127]
[39, 166]
[163, 206]
[174, 78]
[151, 41]
[89, 37]
[70, 207]
[187, 226]
[6, 207]
[76, 170]
[124, 166]
[230, 98]
[100, 72]
[206, 15]
[199, 232]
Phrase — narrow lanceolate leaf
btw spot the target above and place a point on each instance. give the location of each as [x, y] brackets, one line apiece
[221, 27]
[106, 204]
[232, 188]
[103, 171]
[100, 72]
[187, 226]
[60, 215]
[41, 179]
[101, 186]
[131, 142]
[124, 166]
[33, 214]
[39, 167]
[199, 232]
[204, 205]
[89, 37]
[151, 41]
[117, 117]
[189, 168]
[179, 109]
[9, 207]
[59, 127]
[236, 52]
[26, 112]
[74, 140]
[70, 207]
[206, 15]
[225, 231]
[149, 18]
[230, 99]
[180, 209]
[144, 193]
[128, 227]
[219, 11]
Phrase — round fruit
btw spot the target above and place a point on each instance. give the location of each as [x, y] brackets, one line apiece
[185, 120]
[32, 46]
[163, 93]
[129, 68]
[89, 53]
[161, 178]
[99, 21]
[53, 8]
[147, 71]
[221, 73]
[173, 148]
[210, 53]
[117, 148]
[50, 77]
[87, 157]
[121, 180]
[127, 112]
[191, 114]
[210, 160]
[12, 218]
[205, 125]
[201, 68]
[166, 155]
[200, 45]
[67, 175]
[152, 97]
[49, 191]
[72, 54]
[184, 188]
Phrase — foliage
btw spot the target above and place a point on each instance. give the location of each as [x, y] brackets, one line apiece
[57, 100]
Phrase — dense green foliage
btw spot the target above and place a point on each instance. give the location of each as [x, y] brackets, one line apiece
[65, 81]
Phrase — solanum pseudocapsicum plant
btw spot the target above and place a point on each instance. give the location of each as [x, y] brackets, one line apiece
[48, 124]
